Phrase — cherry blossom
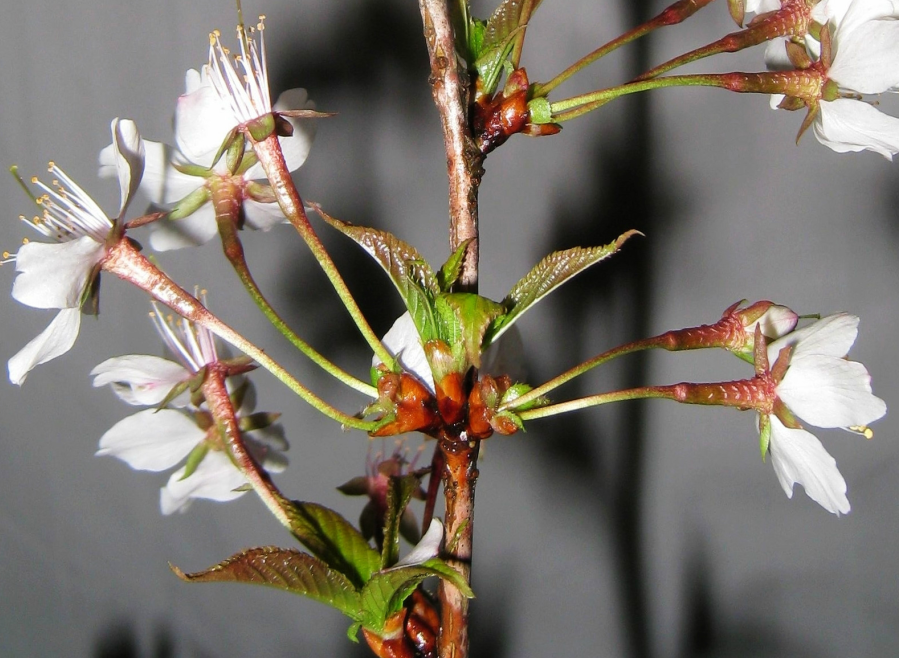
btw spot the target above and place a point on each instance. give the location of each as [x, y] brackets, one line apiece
[61, 274]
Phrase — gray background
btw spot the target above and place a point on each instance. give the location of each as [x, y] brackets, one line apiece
[642, 530]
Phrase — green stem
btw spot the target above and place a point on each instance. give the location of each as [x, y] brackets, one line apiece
[642, 393]
[228, 209]
[527, 11]
[672, 15]
[269, 153]
[127, 263]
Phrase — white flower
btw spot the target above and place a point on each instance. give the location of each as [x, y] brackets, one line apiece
[761, 6]
[427, 548]
[863, 60]
[60, 275]
[186, 172]
[824, 389]
[241, 81]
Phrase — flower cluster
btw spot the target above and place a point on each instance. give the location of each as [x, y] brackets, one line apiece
[852, 53]
[159, 438]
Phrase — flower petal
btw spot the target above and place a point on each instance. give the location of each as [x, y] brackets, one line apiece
[54, 341]
[427, 548]
[201, 123]
[129, 159]
[404, 343]
[829, 336]
[216, 478]
[55, 275]
[798, 456]
[192, 231]
[262, 216]
[828, 391]
[850, 125]
[151, 440]
[162, 183]
[867, 58]
[141, 379]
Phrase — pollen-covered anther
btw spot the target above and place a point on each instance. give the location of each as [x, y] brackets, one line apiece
[864, 430]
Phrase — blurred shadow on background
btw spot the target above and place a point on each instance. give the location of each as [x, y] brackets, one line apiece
[119, 640]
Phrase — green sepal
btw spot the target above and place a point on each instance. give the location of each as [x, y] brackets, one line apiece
[190, 204]
[384, 594]
[177, 390]
[257, 421]
[189, 169]
[235, 152]
[764, 434]
[288, 570]
[261, 127]
[226, 143]
[333, 539]
[550, 273]
[399, 492]
[239, 394]
[513, 417]
[194, 458]
[452, 268]
[410, 273]
[463, 320]
[353, 631]
[357, 486]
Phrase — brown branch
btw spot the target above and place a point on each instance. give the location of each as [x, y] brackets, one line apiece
[449, 85]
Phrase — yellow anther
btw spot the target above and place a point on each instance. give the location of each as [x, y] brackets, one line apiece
[6, 255]
[152, 314]
[51, 165]
[864, 430]
[25, 240]
[203, 292]
[35, 180]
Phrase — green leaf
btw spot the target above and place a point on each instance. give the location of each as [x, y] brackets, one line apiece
[408, 270]
[497, 41]
[333, 539]
[384, 594]
[550, 273]
[399, 493]
[287, 570]
[451, 269]
[463, 319]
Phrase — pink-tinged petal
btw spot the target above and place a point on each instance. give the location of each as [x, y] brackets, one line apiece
[829, 336]
[828, 391]
[867, 59]
[216, 478]
[403, 342]
[191, 231]
[151, 440]
[776, 322]
[427, 548]
[55, 275]
[849, 125]
[262, 216]
[798, 456]
[141, 379]
[129, 159]
[201, 124]
[162, 183]
[54, 341]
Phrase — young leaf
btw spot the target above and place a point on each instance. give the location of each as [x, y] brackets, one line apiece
[463, 319]
[497, 42]
[288, 570]
[384, 594]
[451, 269]
[399, 493]
[546, 276]
[408, 270]
[334, 540]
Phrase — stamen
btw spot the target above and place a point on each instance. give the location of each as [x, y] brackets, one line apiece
[864, 430]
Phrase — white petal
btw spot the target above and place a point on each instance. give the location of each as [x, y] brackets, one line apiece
[427, 548]
[828, 391]
[129, 159]
[776, 58]
[201, 124]
[403, 342]
[761, 6]
[262, 216]
[829, 336]
[162, 183]
[191, 231]
[776, 322]
[798, 456]
[867, 59]
[151, 440]
[850, 125]
[54, 341]
[296, 147]
[55, 275]
[216, 478]
[140, 379]
[849, 15]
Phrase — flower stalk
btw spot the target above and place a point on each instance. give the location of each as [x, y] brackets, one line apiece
[127, 263]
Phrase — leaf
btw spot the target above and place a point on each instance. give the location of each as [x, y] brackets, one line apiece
[408, 270]
[451, 269]
[334, 540]
[284, 569]
[497, 41]
[463, 319]
[399, 493]
[550, 273]
[384, 594]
